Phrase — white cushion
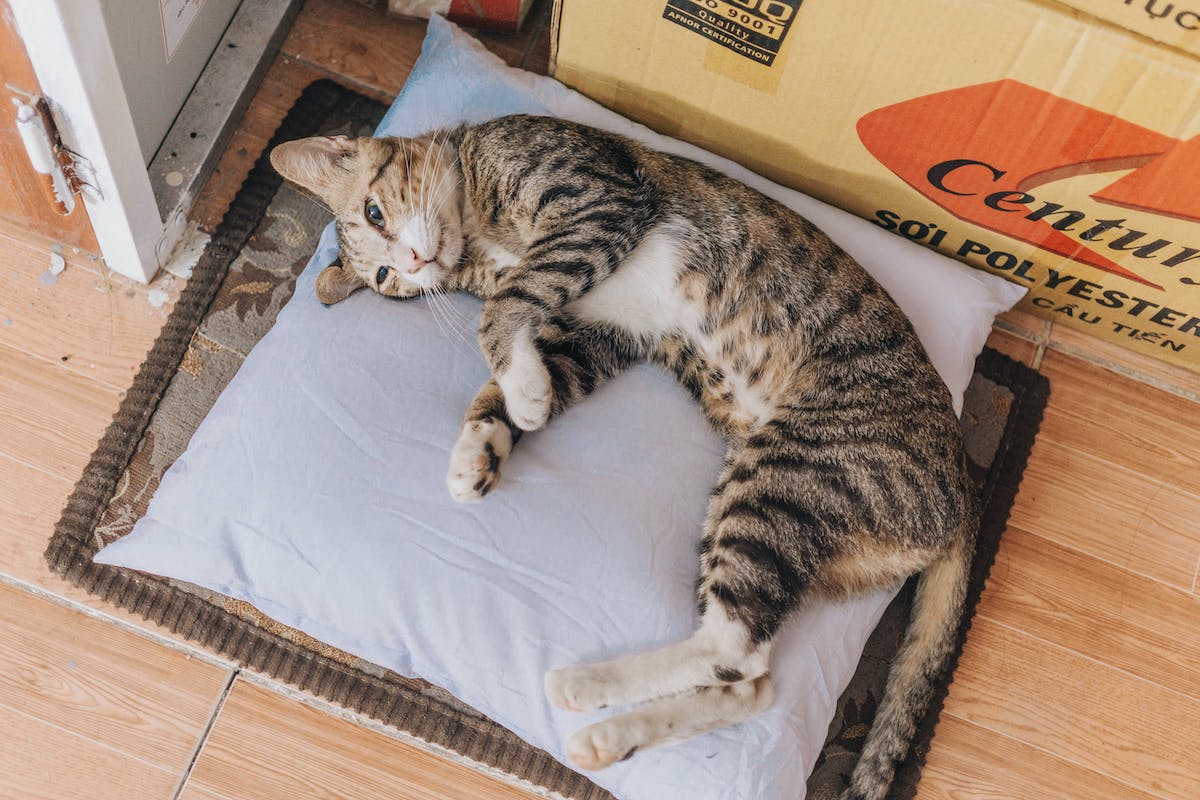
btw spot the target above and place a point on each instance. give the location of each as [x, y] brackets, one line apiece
[314, 489]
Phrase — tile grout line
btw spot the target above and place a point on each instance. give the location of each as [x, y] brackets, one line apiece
[101, 743]
[397, 734]
[96, 268]
[1038, 340]
[1126, 469]
[1127, 372]
[1062, 757]
[186, 649]
[1038, 355]
[1172, 587]
[1029, 529]
[1128, 675]
[203, 738]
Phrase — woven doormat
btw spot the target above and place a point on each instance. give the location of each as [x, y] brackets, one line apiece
[245, 276]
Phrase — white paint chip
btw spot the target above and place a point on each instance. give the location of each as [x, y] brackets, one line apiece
[187, 252]
[157, 298]
[57, 263]
[173, 178]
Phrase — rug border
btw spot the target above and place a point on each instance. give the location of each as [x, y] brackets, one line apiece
[71, 546]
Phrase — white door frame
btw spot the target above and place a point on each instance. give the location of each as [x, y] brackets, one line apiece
[68, 45]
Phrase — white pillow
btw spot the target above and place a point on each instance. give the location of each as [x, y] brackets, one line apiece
[314, 489]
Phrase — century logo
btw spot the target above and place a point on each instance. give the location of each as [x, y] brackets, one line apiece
[982, 151]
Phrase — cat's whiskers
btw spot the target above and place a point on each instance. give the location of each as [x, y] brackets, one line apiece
[407, 167]
[458, 323]
[428, 206]
[422, 207]
[432, 303]
[439, 306]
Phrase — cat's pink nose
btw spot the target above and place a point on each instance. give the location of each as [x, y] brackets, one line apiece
[417, 262]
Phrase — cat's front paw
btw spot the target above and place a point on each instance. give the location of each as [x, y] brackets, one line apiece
[527, 393]
[585, 687]
[475, 461]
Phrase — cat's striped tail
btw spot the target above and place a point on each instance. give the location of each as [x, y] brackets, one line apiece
[929, 643]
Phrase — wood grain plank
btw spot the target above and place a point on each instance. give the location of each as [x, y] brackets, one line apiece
[1108, 511]
[98, 325]
[82, 675]
[43, 762]
[1013, 346]
[1096, 609]
[370, 49]
[972, 763]
[1116, 418]
[364, 46]
[191, 792]
[265, 746]
[31, 505]
[1025, 324]
[52, 416]
[1175, 379]
[1078, 710]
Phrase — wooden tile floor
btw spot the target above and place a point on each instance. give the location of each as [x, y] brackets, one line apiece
[1081, 679]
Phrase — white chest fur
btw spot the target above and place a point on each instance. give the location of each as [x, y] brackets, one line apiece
[497, 256]
[643, 296]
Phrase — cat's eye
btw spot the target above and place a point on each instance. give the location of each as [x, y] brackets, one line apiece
[374, 215]
[381, 275]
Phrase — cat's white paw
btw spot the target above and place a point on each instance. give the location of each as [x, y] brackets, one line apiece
[476, 459]
[527, 392]
[605, 743]
[582, 688]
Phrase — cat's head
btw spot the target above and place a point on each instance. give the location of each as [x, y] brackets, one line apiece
[398, 207]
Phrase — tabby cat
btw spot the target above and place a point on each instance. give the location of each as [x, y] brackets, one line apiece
[845, 470]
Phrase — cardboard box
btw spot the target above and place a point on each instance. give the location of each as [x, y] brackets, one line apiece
[1043, 141]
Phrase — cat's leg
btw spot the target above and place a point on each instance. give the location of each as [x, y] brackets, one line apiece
[577, 359]
[575, 252]
[760, 552]
[772, 528]
[722, 651]
[667, 721]
[484, 442]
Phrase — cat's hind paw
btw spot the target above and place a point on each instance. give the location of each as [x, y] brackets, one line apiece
[605, 743]
[475, 461]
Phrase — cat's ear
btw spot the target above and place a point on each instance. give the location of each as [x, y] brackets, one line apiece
[321, 164]
[335, 283]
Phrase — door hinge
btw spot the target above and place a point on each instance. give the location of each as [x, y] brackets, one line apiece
[64, 173]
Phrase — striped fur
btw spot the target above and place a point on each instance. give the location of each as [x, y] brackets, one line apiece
[845, 470]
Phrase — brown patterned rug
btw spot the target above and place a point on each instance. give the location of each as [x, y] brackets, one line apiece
[245, 276]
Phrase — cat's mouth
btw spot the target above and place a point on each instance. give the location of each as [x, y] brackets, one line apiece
[428, 274]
